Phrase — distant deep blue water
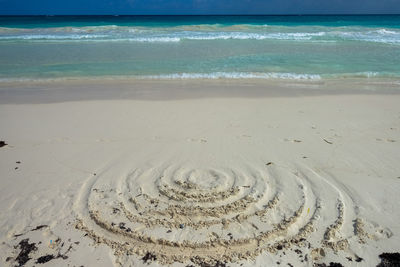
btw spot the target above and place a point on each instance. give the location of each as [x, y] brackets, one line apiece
[176, 47]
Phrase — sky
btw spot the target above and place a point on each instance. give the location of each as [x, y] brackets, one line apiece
[141, 7]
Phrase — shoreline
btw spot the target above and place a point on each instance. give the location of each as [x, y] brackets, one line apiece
[51, 91]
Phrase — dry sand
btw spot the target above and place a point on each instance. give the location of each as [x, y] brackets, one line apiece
[214, 180]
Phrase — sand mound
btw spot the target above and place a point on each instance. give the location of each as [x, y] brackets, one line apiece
[182, 213]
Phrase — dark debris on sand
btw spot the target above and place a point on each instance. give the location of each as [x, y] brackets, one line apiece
[359, 259]
[45, 258]
[26, 249]
[331, 264]
[389, 260]
[39, 227]
[121, 226]
[2, 143]
[199, 262]
[149, 257]
[49, 257]
[217, 264]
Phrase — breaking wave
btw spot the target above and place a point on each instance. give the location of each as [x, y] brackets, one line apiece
[202, 32]
[234, 75]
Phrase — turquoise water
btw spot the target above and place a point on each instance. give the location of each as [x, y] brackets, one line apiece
[184, 47]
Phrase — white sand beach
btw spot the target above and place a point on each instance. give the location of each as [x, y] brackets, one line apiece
[243, 174]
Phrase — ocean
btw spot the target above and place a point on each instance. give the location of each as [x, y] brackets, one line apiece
[209, 47]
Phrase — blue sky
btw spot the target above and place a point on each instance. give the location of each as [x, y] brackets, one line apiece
[54, 7]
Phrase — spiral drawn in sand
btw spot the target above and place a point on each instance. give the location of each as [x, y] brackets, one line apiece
[182, 214]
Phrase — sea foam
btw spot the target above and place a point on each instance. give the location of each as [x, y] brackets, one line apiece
[235, 75]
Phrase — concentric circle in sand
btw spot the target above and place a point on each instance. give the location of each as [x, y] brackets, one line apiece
[180, 213]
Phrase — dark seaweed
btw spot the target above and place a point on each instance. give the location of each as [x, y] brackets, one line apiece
[359, 259]
[45, 259]
[389, 260]
[26, 249]
[331, 264]
[149, 257]
[217, 264]
[39, 227]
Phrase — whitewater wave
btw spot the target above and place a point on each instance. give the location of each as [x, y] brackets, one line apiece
[186, 76]
[217, 76]
[377, 36]
[270, 75]
[202, 32]
[172, 37]
[235, 75]
[52, 37]
[255, 36]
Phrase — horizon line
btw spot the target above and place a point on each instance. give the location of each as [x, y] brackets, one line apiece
[161, 15]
